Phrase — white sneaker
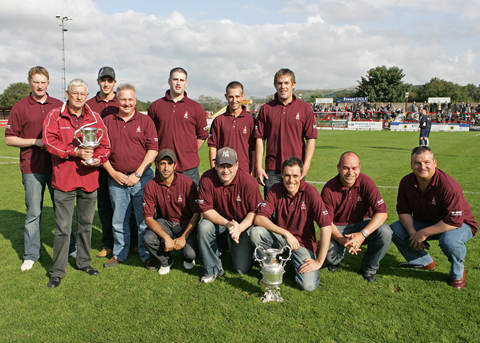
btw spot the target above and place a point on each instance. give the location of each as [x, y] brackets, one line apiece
[188, 265]
[165, 270]
[211, 278]
[73, 254]
[27, 265]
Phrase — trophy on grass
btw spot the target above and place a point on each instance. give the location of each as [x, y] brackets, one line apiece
[272, 271]
[89, 139]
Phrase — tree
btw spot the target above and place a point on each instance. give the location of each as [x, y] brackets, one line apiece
[14, 93]
[314, 96]
[210, 103]
[383, 84]
[143, 106]
[438, 88]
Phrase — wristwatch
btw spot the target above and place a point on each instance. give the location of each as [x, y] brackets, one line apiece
[138, 175]
[364, 233]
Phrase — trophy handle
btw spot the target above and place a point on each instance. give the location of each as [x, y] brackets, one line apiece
[100, 136]
[76, 137]
[256, 255]
[284, 261]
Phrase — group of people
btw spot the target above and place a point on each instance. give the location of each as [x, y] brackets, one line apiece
[177, 210]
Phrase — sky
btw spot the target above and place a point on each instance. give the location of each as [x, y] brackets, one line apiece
[329, 44]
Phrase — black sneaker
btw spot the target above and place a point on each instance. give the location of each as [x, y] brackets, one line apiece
[150, 264]
[333, 267]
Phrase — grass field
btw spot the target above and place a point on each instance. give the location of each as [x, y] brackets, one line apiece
[129, 303]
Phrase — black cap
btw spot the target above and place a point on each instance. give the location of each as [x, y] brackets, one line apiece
[166, 153]
[106, 71]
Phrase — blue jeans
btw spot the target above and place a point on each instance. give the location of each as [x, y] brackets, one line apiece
[156, 245]
[274, 176]
[123, 199]
[377, 244]
[34, 185]
[267, 239]
[193, 174]
[242, 252]
[451, 242]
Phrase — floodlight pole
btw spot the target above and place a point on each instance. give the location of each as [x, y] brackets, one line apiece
[64, 78]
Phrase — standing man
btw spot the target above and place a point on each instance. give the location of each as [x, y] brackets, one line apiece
[181, 124]
[173, 196]
[359, 215]
[228, 198]
[431, 206]
[134, 148]
[73, 179]
[105, 103]
[24, 130]
[297, 205]
[288, 125]
[234, 129]
[424, 126]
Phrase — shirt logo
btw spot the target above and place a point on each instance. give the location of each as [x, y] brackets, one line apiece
[210, 135]
[263, 204]
[379, 202]
[156, 139]
[256, 127]
[8, 126]
[64, 128]
[359, 198]
[297, 116]
[238, 197]
[433, 201]
[199, 201]
[205, 128]
[144, 204]
[315, 126]
[304, 207]
[325, 213]
[180, 198]
[456, 213]
[138, 129]
[185, 115]
[245, 130]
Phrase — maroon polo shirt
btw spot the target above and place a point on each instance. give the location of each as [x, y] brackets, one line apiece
[176, 203]
[442, 200]
[179, 125]
[26, 121]
[102, 107]
[130, 140]
[233, 201]
[286, 129]
[297, 214]
[236, 133]
[352, 205]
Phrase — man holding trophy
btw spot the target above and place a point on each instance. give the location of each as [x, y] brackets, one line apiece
[75, 174]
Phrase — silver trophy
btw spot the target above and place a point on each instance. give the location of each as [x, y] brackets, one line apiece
[89, 139]
[272, 271]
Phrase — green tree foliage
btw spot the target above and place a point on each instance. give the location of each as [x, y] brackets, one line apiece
[314, 96]
[143, 106]
[383, 84]
[14, 93]
[211, 103]
[440, 88]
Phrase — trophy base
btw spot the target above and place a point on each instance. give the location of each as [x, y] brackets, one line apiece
[89, 145]
[271, 294]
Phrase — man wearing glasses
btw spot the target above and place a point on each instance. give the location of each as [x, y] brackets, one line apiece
[74, 179]
[228, 198]
[431, 206]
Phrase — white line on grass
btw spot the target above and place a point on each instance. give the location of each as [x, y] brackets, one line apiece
[8, 162]
[13, 158]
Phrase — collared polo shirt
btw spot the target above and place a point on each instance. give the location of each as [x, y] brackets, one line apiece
[26, 121]
[297, 214]
[286, 129]
[442, 200]
[179, 125]
[102, 107]
[130, 140]
[352, 205]
[232, 201]
[176, 203]
[236, 133]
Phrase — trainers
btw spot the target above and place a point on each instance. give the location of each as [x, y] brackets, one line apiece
[165, 269]
[333, 267]
[105, 252]
[113, 262]
[188, 265]
[73, 254]
[27, 265]
[150, 264]
[211, 278]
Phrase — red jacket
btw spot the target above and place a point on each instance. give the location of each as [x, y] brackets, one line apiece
[58, 137]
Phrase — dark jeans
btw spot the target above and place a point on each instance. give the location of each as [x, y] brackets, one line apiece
[274, 176]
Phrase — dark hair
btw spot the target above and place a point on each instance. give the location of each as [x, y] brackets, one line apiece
[234, 84]
[292, 161]
[178, 69]
[420, 150]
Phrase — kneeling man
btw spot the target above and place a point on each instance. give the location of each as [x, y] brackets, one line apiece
[296, 205]
[431, 206]
[228, 198]
[359, 215]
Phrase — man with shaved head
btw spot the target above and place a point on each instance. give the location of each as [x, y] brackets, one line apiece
[359, 215]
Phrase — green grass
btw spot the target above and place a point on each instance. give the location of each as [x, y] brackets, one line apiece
[129, 303]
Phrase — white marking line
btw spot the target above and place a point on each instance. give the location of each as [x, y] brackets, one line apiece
[477, 135]
[8, 162]
[13, 158]
[322, 183]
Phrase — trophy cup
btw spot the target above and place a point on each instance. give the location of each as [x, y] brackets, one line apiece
[272, 271]
[89, 139]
